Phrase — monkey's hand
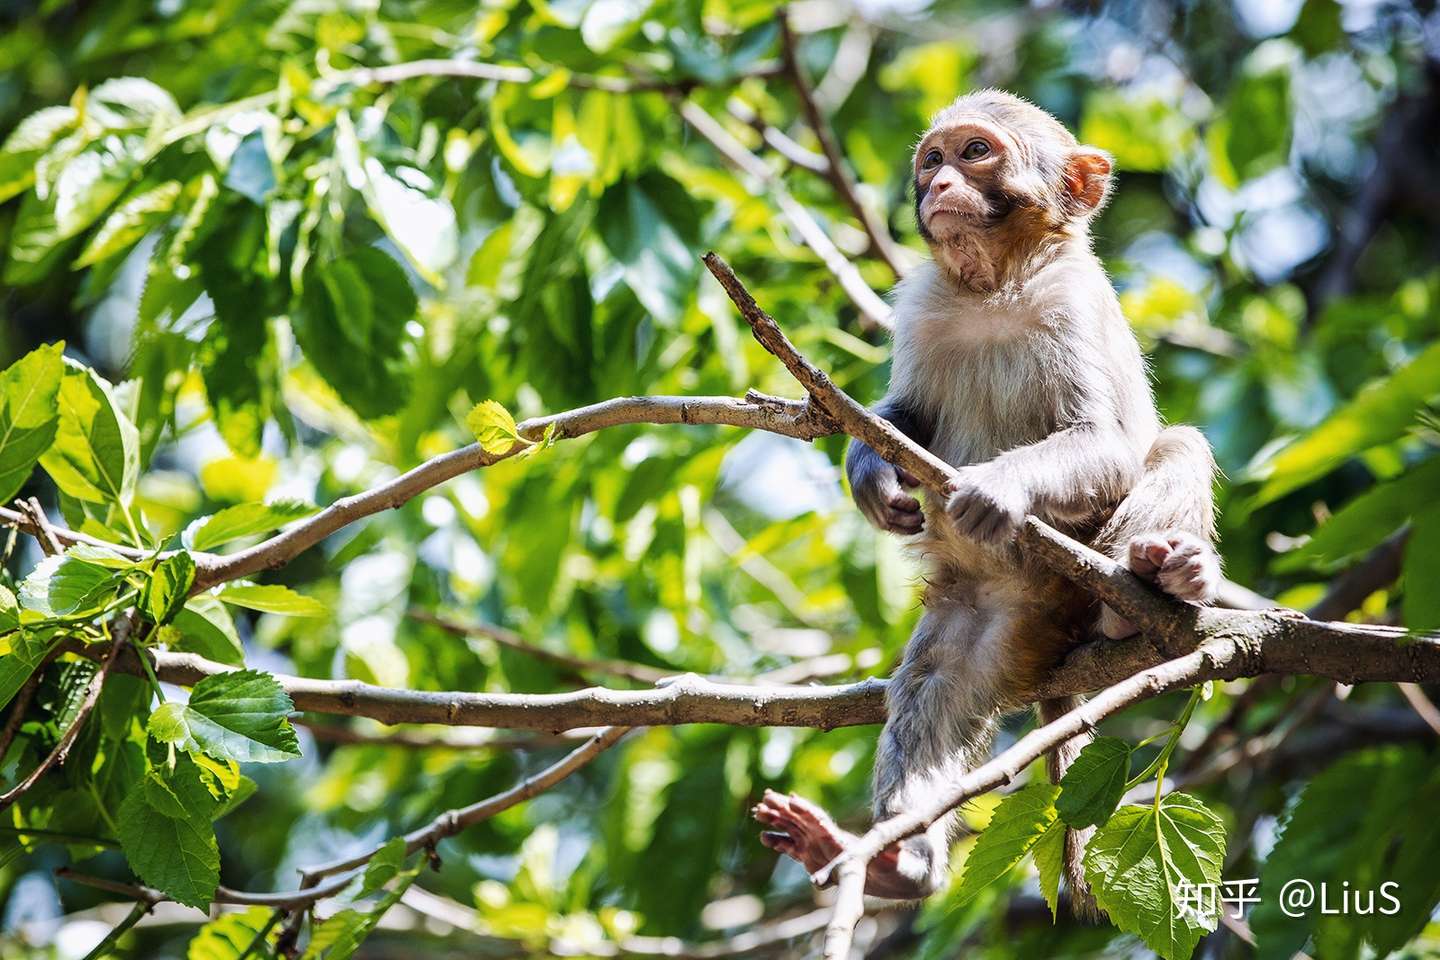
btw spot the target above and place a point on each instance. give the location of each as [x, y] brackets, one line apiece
[878, 488]
[985, 507]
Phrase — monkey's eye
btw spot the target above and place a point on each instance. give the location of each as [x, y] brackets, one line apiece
[933, 158]
[975, 149]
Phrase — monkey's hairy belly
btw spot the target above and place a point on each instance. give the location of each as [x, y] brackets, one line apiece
[1046, 615]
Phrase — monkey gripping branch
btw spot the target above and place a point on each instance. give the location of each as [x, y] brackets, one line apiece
[95, 609]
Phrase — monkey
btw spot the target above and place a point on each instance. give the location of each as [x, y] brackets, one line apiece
[1013, 363]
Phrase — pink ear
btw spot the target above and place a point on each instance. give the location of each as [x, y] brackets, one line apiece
[1087, 178]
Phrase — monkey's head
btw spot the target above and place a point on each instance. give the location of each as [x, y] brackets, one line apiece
[995, 173]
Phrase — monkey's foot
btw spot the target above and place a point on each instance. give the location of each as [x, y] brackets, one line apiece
[807, 834]
[1181, 564]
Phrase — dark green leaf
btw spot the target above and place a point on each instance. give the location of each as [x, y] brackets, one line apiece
[175, 854]
[1094, 783]
[204, 626]
[649, 225]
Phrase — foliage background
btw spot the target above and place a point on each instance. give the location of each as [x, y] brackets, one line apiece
[1274, 240]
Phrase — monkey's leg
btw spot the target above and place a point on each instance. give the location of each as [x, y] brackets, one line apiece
[1164, 528]
[941, 706]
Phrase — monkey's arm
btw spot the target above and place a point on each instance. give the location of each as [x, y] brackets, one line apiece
[877, 486]
[1070, 474]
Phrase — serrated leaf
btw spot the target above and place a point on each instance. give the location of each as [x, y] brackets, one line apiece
[1049, 853]
[28, 418]
[243, 520]
[166, 589]
[1018, 823]
[177, 855]
[66, 586]
[129, 222]
[95, 456]
[1093, 785]
[493, 427]
[229, 935]
[178, 789]
[1138, 863]
[205, 627]
[131, 103]
[91, 181]
[239, 716]
[27, 143]
[272, 598]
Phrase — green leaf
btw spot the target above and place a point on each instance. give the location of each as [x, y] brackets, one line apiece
[179, 790]
[9, 610]
[236, 356]
[422, 226]
[339, 937]
[96, 453]
[1313, 843]
[1422, 572]
[1049, 853]
[229, 935]
[243, 520]
[650, 226]
[239, 716]
[1382, 412]
[1368, 519]
[129, 222]
[351, 324]
[65, 586]
[28, 418]
[493, 427]
[383, 867]
[177, 855]
[169, 584]
[272, 598]
[204, 626]
[27, 143]
[1251, 135]
[91, 181]
[131, 103]
[1138, 863]
[1094, 783]
[27, 649]
[1018, 823]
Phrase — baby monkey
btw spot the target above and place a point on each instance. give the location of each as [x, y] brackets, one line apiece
[1013, 363]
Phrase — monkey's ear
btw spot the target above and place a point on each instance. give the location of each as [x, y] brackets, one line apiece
[1087, 179]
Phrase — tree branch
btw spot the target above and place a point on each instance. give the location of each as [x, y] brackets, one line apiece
[837, 171]
[789, 418]
[874, 312]
[82, 713]
[500, 73]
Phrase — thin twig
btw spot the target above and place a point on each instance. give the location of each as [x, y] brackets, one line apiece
[504, 73]
[82, 713]
[875, 313]
[638, 672]
[837, 170]
[452, 822]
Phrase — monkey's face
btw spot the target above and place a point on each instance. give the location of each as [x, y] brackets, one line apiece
[961, 174]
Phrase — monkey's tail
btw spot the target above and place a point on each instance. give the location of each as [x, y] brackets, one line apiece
[1082, 900]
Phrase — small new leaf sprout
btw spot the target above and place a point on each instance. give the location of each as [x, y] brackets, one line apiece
[494, 428]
